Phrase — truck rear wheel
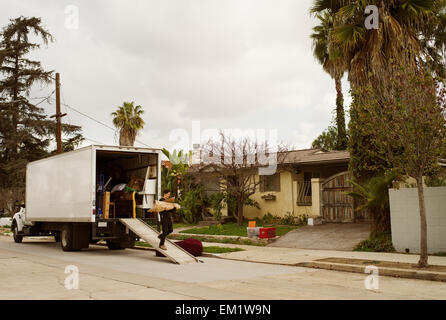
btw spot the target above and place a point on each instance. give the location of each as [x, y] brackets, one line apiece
[66, 237]
[114, 245]
[15, 231]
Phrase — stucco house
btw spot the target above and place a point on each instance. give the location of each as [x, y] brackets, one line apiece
[310, 181]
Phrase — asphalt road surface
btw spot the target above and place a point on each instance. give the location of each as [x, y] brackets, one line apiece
[35, 269]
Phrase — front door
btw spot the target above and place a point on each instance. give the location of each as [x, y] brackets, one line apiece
[336, 205]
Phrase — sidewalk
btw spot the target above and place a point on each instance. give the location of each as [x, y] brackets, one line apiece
[295, 256]
[291, 256]
[392, 264]
[388, 264]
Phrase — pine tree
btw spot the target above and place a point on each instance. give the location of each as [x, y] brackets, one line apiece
[25, 130]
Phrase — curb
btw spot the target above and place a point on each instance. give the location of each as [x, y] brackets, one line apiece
[383, 271]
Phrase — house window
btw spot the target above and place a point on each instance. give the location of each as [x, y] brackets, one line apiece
[307, 181]
[270, 183]
[304, 190]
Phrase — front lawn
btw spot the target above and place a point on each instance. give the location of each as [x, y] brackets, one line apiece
[233, 229]
[177, 225]
[214, 249]
[210, 238]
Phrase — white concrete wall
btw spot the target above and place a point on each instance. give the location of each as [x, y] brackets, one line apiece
[405, 219]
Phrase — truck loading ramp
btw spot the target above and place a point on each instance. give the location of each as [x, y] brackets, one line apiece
[150, 235]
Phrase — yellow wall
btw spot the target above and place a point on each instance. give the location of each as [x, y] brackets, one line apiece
[285, 202]
[286, 199]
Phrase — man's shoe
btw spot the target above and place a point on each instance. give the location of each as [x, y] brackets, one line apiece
[163, 247]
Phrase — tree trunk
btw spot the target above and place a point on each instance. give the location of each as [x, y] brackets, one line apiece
[340, 116]
[124, 138]
[381, 220]
[15, 109]
[423, 262]
[240, 212]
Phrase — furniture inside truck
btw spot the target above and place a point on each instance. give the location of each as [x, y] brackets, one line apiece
[131, 172]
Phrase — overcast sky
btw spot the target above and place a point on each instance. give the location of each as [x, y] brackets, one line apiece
[229, 64]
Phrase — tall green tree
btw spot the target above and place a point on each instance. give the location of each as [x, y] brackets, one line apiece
[413, 119]
[128, 119]
[327, 140]
[411, 34]
[329, 56]
[25, 130]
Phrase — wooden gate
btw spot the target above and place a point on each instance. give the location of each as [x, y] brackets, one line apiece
[336, 206]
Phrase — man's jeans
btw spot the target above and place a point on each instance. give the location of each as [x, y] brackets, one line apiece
[166, 223]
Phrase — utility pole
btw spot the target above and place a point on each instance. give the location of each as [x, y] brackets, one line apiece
[58, 116]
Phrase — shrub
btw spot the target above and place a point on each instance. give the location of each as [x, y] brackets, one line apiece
[288, 219]
[302, 220]
[292, 220]
[440, 254]
[269, 218]
[217, 203]
[192, 202]
[377, 242]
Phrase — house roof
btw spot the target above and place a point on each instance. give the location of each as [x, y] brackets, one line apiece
[301, 157]
[315, 156]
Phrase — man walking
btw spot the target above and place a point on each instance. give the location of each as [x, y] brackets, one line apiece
[166, 221]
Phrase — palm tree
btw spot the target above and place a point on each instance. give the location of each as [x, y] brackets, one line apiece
[375, 196]
[410, 33]
[328, 55]
[173, 178]
[129, 122]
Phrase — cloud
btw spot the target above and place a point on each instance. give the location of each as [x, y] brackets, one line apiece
[227, 64]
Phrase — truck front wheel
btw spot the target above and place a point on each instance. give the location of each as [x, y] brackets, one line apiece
[15, 231]
[66, 238]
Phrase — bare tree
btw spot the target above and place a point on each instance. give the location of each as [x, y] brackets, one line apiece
[239, 163]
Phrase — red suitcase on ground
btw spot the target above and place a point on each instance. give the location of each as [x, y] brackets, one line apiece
[266, 233]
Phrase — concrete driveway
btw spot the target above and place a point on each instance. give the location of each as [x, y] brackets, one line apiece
[329, 236]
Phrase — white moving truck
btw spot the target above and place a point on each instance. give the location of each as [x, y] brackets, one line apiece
[69, 195]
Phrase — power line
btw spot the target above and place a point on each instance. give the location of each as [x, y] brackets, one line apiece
[95, 141]
[34, 98]
[46, 99]
[66, 111]
[95, 120]
[100, 122]
[89, 117]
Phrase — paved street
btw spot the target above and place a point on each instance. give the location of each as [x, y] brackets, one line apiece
[35, 270]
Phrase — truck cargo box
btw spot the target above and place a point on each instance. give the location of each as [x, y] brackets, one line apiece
[64, 188]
